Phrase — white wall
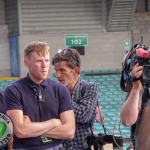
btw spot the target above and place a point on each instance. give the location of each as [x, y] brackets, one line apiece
[104, 51]
[4, 44]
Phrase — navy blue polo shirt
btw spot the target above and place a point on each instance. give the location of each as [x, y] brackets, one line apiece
[20, 95]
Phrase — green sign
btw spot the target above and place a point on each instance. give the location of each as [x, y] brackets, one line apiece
[126, 45]
[76, 39]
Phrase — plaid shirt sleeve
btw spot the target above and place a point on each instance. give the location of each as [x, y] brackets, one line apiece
[86, 108]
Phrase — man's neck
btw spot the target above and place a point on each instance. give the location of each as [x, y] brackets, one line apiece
[72, 86]
[34, 79]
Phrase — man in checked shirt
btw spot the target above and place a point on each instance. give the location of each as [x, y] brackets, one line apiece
[84, 95]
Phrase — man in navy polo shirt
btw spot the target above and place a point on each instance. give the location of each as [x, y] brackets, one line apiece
[40, 108]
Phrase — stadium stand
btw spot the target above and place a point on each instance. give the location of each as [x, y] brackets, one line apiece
[5, 81]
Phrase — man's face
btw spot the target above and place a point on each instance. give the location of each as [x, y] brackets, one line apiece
[38, 66]
[65, 74]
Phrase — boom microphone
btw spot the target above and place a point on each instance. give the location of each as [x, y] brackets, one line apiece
[141, 53]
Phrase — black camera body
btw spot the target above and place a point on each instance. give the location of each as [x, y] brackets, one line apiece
[101, 139]
[145, 62]
[146, 73]
[115, 140]
[139, 53]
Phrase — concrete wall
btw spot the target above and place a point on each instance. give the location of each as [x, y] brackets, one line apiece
[141, 28]
[104, 51]
[60, 16]
[11, 11]
[2, 12]
[4, 44]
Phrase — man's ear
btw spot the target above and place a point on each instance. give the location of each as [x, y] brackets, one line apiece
[76, 70]
[26, 62]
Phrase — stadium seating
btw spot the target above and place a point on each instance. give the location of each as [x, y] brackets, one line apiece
[5, 81]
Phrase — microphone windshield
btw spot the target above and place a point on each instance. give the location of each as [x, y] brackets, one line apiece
[141, 53]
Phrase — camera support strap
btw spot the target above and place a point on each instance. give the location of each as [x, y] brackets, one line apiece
[39, 94]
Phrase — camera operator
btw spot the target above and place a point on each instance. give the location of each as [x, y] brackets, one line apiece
[133, 111]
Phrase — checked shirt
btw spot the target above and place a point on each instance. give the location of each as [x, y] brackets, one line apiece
[84, 98]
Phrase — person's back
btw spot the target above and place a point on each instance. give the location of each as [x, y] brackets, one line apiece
[142, 136]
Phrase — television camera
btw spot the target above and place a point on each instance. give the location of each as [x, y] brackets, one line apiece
[139, 53]
[101, 139]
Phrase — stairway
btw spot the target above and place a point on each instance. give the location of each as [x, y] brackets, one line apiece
[120, 14]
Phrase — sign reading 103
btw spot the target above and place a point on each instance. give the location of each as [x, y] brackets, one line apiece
[76, 40]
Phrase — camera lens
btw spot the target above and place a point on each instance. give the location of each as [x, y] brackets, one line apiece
[146, 73]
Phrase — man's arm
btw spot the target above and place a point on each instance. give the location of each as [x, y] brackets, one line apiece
[66, 130]
[30, 129]
[99, 118]
[10, 145]
[86, 107]
[130, 108]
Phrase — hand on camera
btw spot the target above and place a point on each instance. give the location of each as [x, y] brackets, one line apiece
[137, 71]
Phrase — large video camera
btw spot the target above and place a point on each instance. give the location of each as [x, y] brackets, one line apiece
[99, 140]
[142, 56]
[139, 53]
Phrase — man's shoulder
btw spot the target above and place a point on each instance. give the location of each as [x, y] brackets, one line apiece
[16, 85]
[55, 84]
[87, 83]
[86, 86]
[1, 93]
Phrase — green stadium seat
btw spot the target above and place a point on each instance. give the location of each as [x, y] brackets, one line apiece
[4, 82]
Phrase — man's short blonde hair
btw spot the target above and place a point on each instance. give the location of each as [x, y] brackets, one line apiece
[41, 48]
